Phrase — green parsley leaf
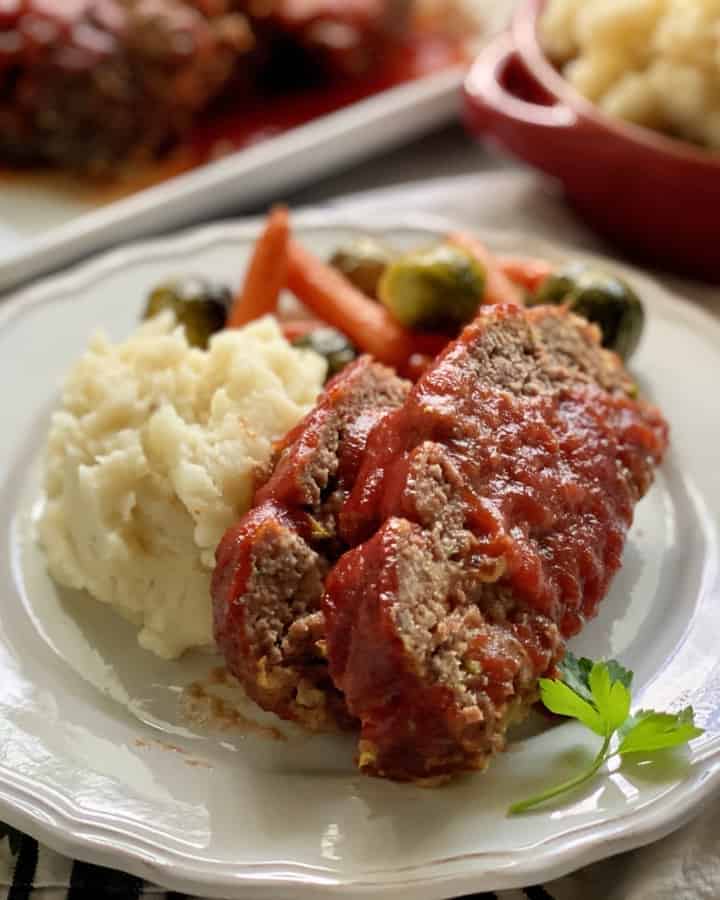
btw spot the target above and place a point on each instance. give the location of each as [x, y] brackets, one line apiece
[600, 686]
[575, 673]
[598, 695]
[619, 673]
[648, 731]
[563, 700]
[611, 698]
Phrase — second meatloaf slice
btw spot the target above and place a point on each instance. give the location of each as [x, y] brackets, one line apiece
[268, 581]
[495, 503]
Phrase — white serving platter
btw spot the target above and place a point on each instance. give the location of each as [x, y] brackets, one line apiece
[97, 760]
[43, 228]
[47, 222]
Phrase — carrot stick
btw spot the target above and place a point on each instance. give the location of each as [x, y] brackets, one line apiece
[525, 271]
[328, 294]
[498, 287]
[266, 274]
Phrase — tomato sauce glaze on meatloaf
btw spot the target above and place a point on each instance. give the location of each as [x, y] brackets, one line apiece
[486, 515]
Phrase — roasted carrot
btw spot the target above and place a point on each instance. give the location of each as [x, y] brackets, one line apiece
[525, 271]
[498, 287]
[328, 294]
[267, 273]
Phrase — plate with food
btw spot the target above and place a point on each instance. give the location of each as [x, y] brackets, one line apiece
[356, 556]
[122, 116]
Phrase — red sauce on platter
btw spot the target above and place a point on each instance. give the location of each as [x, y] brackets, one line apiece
[269, 116]
[256, 119]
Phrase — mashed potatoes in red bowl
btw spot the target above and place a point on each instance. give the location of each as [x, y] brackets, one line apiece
[656, 195]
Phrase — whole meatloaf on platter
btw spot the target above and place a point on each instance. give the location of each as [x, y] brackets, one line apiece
[93, 85]
[421, 554]
[89, 84]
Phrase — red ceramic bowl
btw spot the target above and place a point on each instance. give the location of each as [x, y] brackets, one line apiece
[657, 197]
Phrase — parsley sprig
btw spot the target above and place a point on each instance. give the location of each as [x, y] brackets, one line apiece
[598, 695]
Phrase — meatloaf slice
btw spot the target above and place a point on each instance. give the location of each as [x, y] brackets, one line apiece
[268, 581]
[499, 497]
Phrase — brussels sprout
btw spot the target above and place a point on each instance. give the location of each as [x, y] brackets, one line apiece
[557, 286]
[200, 306]
[602, 298]
[363, 262]
[437, 288]
[330, 343]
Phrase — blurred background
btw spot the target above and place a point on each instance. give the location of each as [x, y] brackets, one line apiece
[209, 107]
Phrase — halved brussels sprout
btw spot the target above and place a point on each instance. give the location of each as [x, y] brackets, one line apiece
[363, 262]
[330, 343]
[602, 298]
[200, 306]
[437, 288]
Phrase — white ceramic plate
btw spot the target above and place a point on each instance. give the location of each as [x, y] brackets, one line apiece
[97, 760]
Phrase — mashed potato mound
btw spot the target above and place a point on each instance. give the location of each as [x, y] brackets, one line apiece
[152, 456]
[652, 62]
